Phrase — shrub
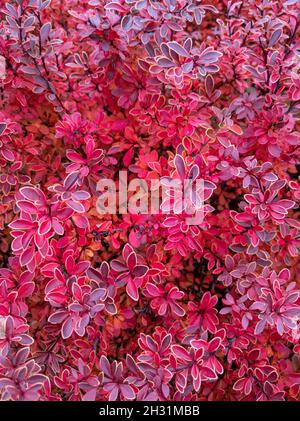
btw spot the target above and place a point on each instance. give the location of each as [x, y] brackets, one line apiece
[146, 306]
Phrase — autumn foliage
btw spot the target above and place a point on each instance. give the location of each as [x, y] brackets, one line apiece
[144, 306]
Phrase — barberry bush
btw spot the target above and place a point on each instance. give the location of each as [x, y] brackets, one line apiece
[145, 306]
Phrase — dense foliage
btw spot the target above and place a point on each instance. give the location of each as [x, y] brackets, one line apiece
[140, 306]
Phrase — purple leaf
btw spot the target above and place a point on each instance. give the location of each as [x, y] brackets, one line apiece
[29, 70]
[181, 51]
[127, 392]
[275, 37]
[180, 166]
[165, 62]
[28, 22]
[140, 271]
[2, 128]
[67, 328]
[45, 31]
[126, 22]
